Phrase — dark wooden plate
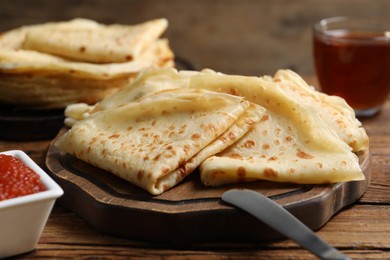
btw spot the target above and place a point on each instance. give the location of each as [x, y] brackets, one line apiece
[23, 124]
[190, 212]
[26, 124]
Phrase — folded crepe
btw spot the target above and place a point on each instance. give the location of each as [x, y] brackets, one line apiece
[158, 140]
[334, 110]
[287, 90]
[299, 139]
[88, 63]
[276, 150]
[303, 136]
[89, 41]
[147, 82]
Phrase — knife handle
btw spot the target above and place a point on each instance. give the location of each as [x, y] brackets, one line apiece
[281, 220]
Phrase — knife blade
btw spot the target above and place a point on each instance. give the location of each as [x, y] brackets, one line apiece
[281, 220]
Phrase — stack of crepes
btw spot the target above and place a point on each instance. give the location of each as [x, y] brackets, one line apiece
[166, 124]
[55, 64]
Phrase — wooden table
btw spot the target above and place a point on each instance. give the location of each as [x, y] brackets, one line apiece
[361, 230]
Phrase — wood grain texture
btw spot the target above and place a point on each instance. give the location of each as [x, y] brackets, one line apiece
[247, 37]
[189, 212]
[359, 230]
[250, 37]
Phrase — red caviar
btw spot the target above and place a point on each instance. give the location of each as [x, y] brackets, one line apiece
[17, 179]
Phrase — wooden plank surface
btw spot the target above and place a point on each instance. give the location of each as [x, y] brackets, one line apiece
[190, 212]
[248, 37]
[250, 44]
[361, 230]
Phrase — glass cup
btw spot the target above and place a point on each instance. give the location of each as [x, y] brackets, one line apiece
[352, 60]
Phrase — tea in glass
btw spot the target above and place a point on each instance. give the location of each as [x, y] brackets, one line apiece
[352, 60]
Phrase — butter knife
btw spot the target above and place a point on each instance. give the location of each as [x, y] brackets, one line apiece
[281, 220]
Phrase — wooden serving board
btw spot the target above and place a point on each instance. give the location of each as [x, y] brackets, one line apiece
[189, 212]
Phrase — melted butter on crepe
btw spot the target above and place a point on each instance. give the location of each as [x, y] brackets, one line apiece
[158, 140]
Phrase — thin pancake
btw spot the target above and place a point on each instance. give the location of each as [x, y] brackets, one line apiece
[88, 41]
[157, 141]
[32, 62]
[147, 82]
[292, 143]
[274, 151]
[317, 108]
[332, 109]
[286, 90]
[39, 78]
[269, 95]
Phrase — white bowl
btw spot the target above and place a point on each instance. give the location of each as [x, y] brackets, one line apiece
[22, 219]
